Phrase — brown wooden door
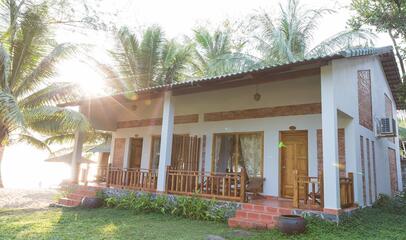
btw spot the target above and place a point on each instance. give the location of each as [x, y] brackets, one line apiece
[293, 157]
[135, 153]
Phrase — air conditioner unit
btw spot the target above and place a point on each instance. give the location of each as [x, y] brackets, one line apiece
[387, 127]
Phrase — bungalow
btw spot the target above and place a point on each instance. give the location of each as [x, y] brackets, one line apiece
[318, 134]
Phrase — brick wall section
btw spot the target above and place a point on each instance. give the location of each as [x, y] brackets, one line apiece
[341, 151]
[291, 110]
[393, 170]
[374, 170]
[118, 157]
[182, 119]
[365, 99]
[364, 187]
[369, 170]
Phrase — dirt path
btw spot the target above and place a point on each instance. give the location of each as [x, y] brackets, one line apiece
[26, 198]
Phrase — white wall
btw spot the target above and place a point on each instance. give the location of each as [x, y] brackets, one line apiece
[282, 93]
[347, 101]
[301, 91]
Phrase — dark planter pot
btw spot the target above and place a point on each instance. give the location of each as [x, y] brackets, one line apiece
[92, 202]
[291, 224]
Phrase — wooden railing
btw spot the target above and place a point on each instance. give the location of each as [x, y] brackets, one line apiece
[132, 178]
[347, 191]
[224, 186]
[310, 190]
[101, 173]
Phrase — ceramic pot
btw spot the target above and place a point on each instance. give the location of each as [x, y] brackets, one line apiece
[291, 224]
[92, 202]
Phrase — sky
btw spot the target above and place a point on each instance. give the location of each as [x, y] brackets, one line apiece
[23, 165]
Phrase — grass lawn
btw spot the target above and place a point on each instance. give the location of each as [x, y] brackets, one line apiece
[124, 224]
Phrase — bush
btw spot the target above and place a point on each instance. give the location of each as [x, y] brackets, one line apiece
[188, 207]
[396, 204]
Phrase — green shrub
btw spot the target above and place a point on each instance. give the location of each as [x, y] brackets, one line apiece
[396, 204]
[188, 207]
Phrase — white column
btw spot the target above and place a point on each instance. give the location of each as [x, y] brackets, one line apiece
[352, 157]
[76, 156]
[166, 139]
[127, 149]
[330, 141]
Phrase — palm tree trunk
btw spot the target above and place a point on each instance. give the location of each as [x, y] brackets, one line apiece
[1, 158]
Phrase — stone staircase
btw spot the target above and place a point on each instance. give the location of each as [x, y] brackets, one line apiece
[256, 216]
[74, 198]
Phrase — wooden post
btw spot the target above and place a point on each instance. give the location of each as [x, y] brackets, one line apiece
[295, 190]
[108, 175]
[168, 168]
[242, 186]
[321, 187]
[351, 191]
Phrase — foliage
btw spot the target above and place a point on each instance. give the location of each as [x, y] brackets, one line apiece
[188, 207]
[147, 61]
[397, 204]
[216, 52]
[288, 38]
[29, 57]
[387, 16]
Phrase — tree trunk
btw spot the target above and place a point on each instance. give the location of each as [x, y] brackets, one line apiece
[1, 158]
[3, 132]
[398, 55]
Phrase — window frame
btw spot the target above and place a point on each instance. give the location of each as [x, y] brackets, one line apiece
[237, 149]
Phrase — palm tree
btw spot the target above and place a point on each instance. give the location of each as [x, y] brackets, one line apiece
[147, 61]
[217, 54]
[288, 38]
[28, 57]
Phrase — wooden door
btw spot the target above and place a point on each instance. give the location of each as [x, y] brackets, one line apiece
[135, 153]
[293, 152]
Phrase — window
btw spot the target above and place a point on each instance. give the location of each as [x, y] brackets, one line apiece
[233, 151]
[155, 150]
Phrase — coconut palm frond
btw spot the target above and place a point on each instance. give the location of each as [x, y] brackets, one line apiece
[4, 64]
[343, 40]
[53, 94]
[45, 69]
[29, 43]
[36, 142]
[10, 113]
[93, 136]
[64, 138]
[126, 55]
[50, 120]
[149, 55]
[287, 38]
[113, 79]
[173, 62]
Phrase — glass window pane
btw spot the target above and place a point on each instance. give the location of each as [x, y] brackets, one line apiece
[156, 147]
[224, 153]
